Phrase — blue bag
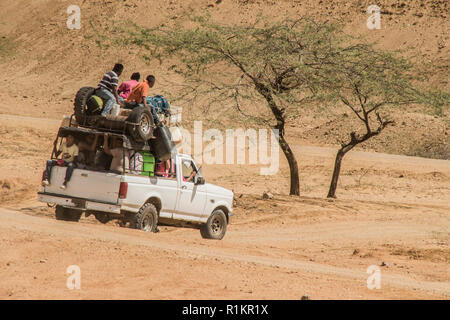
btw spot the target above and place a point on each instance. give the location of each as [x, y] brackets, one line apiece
[160, 103]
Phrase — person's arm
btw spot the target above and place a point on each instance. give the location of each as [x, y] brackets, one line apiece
[117, 96]
[57, 150]
[57, 153]
[191, 176]
[121, 88]
[144, 99]
[94, 144]
[105, 145]
[144, 96]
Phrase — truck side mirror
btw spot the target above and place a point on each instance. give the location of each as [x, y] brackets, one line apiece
[200, 180]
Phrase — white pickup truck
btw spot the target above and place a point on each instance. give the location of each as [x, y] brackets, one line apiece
[142, 201]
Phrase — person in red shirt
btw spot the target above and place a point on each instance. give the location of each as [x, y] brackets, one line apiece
[163, 169]
[126, 87]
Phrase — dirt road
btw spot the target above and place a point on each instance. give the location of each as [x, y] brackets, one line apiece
[257, 259]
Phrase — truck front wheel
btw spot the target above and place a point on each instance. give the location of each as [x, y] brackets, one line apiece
[215, 227]
[67, 214]
[146, 219]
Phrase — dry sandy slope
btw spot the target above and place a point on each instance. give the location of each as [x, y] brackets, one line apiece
[47, 63]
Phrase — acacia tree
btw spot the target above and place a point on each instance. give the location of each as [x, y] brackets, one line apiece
[370, 82]
[282, 63]
[288, 65]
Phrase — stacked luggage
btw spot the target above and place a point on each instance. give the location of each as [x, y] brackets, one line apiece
[148, 163]
[153, 142]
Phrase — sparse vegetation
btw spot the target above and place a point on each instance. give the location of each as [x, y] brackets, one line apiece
[281, 63]
[370, 82]
[290, 65]
[434, 149]
[7, 47]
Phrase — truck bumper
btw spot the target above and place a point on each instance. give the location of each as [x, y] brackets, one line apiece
[78, 203]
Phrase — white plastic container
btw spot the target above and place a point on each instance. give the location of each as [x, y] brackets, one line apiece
[177, 135]
[115, 110]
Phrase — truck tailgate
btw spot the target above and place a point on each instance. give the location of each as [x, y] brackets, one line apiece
[85, 184]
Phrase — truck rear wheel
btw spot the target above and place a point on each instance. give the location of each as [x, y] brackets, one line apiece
[215, 227]
[146, 219]
[67, 214]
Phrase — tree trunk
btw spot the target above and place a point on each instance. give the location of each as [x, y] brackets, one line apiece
[336, 171]
[280, 117]
[293, 166]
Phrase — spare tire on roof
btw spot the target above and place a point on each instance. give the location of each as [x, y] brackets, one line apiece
[80, 107]
[140, 124]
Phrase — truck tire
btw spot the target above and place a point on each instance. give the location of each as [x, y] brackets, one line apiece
[163, 145]
[216, 226]
[140, 124]
[146, 219]
[79, 106]
[67, 214]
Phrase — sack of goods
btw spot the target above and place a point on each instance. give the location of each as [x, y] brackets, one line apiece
[160, 103]
[94, 105]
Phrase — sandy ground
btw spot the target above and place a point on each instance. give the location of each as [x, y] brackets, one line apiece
[392, 212]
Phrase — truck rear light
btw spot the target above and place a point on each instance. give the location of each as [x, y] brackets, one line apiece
[123, 190]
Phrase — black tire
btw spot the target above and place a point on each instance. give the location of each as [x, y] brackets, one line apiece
[216, 226]
[102, 217]
[163, 145]
[67, 214]
[80, 108]
[146, 219]
[140, 124]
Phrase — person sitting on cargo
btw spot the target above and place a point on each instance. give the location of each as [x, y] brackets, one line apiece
[138, 96]
[159, 104]
[67, 155]
[118, 153]
[86, 152]
[107, 88]
[127, 86]
[136, 162]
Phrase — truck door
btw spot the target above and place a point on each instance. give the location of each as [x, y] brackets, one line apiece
[191, 197]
